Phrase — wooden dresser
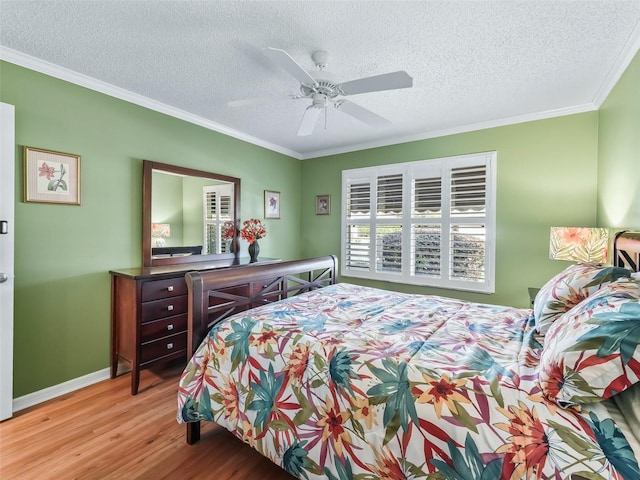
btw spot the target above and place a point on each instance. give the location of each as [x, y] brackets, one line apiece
[149, 314]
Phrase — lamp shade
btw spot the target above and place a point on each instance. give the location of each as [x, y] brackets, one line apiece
[579, 244]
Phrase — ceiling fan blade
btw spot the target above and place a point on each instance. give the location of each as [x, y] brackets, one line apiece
[309, 120]
[362, 114]
[244, 102]
[385, 81]
[287, 63]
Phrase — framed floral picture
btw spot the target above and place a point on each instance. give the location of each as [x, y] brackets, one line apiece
[51, 177]
[271, 204]
[323, 204]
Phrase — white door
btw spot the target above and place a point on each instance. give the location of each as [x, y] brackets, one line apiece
[7, 181]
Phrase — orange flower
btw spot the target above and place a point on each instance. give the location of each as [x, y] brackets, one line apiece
[298, 360]
[230, 400]
[573, 235]
[528, 444]
[332, 423]
[363, 411]
[442, 391]
[554, 380]
[253, 230]
[248, 435]
[228, 230]
[265, 338]
[387, 467]
[204, 363]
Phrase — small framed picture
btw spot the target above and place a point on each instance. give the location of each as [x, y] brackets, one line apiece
[271, 204]
[323, 204]
[51, 177]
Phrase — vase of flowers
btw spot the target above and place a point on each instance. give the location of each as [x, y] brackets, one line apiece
[229, 233]
[252, 230]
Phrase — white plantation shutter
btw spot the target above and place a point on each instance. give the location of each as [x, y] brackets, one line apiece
[357, 242]
[388, 226]
[468, 191]
[468, 233]
[389, 198]
[429, 223]
[426, 220]
[217, 209]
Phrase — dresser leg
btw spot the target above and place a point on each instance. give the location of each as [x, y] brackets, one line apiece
[193, 432]
[114, 366]
[135, 380]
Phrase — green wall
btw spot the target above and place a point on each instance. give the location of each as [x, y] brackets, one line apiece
[572, 170]
[63, 253]
[619, 153]
[546, 176]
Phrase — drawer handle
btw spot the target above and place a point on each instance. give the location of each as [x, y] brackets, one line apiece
[170, 308]
[170, 288]
[169, 346]
[170, 326]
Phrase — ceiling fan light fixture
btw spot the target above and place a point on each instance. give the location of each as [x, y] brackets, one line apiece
[319, 101]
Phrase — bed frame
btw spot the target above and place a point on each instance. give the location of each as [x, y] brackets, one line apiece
[217, 294]
[626, 250]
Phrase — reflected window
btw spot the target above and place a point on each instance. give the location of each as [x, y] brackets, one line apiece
[217, 209]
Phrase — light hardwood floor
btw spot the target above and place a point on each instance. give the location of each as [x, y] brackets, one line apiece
[102, 432]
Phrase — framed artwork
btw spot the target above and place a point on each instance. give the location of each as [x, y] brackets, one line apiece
[323, 204]
[271, 204]
[51, 177]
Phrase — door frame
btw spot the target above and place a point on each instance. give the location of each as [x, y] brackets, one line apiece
[7, 213]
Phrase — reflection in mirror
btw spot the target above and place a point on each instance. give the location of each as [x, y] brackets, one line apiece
[190, 211]
[185, 212]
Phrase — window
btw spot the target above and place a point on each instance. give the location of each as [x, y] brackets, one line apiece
[217, 209]
[430, 222]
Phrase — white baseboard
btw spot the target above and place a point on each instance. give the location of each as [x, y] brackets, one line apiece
[49, 393]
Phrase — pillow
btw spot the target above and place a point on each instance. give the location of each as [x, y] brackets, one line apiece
[570, 287]
[627, 403]
[591, 352]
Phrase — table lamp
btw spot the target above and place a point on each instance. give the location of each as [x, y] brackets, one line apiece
[579, 244]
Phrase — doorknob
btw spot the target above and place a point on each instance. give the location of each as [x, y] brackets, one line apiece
[3, 277]
[4, 227]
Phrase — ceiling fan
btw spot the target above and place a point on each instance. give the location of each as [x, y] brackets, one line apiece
[322, 89]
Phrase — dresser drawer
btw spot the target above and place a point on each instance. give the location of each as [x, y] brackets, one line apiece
[161, 328]
[171, 345]
[167, 307]
[157, 289]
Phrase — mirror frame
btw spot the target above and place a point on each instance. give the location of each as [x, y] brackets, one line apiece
[148, 167]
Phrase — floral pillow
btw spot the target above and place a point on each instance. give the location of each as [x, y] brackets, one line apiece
[569, 288]
[592, 352]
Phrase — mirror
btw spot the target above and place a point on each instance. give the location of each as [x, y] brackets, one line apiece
[184, 213]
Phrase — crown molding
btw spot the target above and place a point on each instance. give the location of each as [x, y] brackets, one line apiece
[617, 70]
[501, 122]
[619, 66]
[61, 73]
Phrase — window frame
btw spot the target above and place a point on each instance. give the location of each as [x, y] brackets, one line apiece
[443, 168]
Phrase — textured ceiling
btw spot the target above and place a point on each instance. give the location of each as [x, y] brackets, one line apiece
[474, 63]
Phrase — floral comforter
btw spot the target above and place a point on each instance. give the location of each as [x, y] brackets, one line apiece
[353, 382]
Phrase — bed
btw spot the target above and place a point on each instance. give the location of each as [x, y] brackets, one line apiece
[339, 381]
